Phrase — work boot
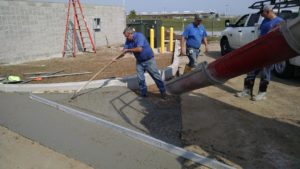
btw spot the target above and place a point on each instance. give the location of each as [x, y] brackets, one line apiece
[188, 68]
[260, 96]
[244, 93]
[163, 96]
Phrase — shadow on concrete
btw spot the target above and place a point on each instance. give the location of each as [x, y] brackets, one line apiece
[158, 118]
[127, 104]
[214, 54]
[227, 88]
[248, 140]
[295, 81]
[87, 91]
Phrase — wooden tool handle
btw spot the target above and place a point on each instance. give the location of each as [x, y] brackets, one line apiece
[101, 70]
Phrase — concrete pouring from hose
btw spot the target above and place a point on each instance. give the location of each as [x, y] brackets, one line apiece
[280, 44]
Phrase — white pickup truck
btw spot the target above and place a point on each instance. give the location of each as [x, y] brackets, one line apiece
[245, 30]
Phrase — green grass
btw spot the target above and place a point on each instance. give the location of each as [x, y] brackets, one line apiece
[213, 38]
[179, 23]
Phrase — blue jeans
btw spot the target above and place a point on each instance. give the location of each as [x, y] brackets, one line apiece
[265, 77]
[151, 68]
[192, 54]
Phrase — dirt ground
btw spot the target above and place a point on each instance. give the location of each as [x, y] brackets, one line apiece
[87, 62]
[242, 132]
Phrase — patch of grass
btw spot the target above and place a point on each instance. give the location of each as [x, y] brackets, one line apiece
[179, 24]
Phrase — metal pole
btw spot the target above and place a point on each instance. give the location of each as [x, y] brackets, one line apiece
[212, 29]
[152, 38]
[162, 39]
[171, 39]
[212, 23]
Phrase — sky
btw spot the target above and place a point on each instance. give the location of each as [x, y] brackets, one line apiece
[230, 7]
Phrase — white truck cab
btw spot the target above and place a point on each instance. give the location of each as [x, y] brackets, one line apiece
[245, 30]
[242, 32]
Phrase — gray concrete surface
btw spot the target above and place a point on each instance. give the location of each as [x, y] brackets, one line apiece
[77, 138]
[35, 30]
[180, 152]
[153, 116]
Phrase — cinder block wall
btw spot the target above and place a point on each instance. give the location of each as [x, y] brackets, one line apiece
[35, 30]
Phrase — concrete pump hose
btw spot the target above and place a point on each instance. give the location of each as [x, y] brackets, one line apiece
[291, 33]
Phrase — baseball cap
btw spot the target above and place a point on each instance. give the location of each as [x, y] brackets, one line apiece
[198, 17]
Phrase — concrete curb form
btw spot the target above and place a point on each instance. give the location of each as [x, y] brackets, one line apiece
[180, 152]
[129, 81]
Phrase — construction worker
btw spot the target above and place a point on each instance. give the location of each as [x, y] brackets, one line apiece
[193, 35]
[271, 21]
[139, 46]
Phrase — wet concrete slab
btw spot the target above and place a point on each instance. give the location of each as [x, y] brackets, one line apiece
[156, 117]
[92, 144]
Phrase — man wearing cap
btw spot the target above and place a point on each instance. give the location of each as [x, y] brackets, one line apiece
[271, 21]
[139, 46]
[193, 35]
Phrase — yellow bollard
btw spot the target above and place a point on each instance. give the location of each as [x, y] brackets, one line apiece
[162, 39]
[152, 38]
[171, 39]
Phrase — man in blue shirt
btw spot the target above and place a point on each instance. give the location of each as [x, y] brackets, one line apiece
[193, 35]
[271, 21]
[139, 46]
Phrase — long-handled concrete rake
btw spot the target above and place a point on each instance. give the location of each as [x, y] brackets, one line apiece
[76, 93]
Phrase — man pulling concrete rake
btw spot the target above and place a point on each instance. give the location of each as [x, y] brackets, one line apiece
[139, 46]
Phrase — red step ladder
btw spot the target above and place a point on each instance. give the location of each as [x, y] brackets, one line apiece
[79, 25]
